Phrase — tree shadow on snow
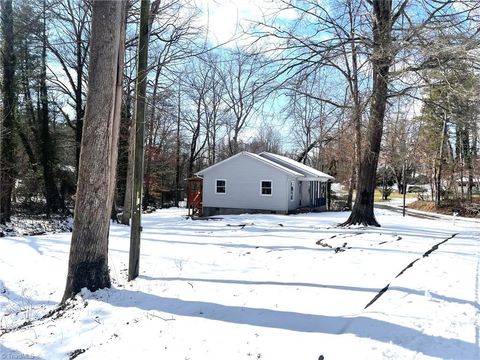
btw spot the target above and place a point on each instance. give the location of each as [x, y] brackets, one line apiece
[42, 244]
[334, 287]
[21, 301]
[236, 245]
[360, 326]
[8, 353]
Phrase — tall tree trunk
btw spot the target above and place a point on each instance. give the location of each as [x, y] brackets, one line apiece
[127, 203]
[398, 173]
[147, 197]
[460, 155]
[151, 135]
[439, 167]
[7, 128]
[357, 106]
[88, 263]
[27, 146]
[21, 129]
[473, 154]
[125, 121]
[193, 145]
[351, 185]
[177, 152]
[462, 190]
[470, 178]
[381, 59]
[467, 155]
[47, 153]
[213, 141]
[79, 110]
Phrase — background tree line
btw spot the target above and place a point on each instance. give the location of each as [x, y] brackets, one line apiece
[344, 86]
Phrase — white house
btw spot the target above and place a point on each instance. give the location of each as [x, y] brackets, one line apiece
[264, 183]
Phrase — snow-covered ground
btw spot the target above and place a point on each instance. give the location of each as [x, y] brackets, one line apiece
[253, 287]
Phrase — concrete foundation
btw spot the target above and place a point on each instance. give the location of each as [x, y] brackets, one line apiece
[212, 211]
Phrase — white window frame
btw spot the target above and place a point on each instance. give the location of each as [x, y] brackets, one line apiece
[292, 190]
[216, 186]
[271, 188]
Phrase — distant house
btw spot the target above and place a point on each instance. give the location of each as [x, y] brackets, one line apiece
[264, 183]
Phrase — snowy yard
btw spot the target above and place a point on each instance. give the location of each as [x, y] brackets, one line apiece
[253, 287]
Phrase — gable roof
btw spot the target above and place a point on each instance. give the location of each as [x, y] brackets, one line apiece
[255, 157]
[296, 166]
[282, 163]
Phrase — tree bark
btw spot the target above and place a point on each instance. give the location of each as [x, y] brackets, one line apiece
[7, 130]
[151, 136]
[88, 263]
[177, 152]
[357, 106]
[70, 47]
[79, 113]
[439, 167]
[127, 204]
[351, 185]
[79, 109]
[467, 155]
[47, 153]
[381, 59]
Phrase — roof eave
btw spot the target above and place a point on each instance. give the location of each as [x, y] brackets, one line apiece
[316, 178]
[255, 157]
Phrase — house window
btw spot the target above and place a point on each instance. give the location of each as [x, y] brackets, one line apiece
[292, 188]
[220, 186]
[266, 187]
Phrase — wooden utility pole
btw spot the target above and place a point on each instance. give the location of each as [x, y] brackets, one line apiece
[141, 87]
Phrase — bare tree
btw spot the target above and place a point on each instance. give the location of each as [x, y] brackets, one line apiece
[312, 119]
[69, 44]
[400, 140]
[451, 107]
[336, 51]
[171, 29]
[390, 41]
[267, 139]
[197, 88]
[245, 83]
[47, 151]
[204, 109]
[213, 108]
[381, 61]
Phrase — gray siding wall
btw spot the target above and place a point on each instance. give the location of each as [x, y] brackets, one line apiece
[243, 175]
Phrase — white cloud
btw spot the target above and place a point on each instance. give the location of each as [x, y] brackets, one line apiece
[227, 20]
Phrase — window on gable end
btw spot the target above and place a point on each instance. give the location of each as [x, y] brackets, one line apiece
[266, 187]
[221, 186]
